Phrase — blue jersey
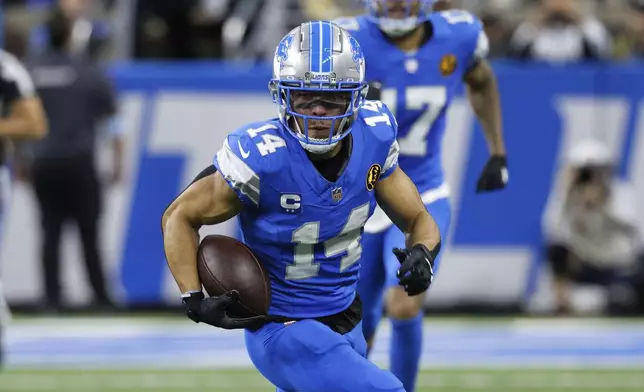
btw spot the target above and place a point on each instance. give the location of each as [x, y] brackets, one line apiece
[418, 87]
[306, 230]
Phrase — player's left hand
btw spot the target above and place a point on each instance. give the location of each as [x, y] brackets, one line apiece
[213, 311]
[495, 175]
[416, 270]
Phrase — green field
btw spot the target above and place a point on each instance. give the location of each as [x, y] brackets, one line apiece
[496, 355]
[482, 380]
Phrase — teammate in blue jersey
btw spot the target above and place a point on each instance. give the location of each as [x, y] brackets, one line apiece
[304, 185]
[419, 60]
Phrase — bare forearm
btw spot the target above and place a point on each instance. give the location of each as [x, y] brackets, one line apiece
[423, 230]
[181, 240]
[19, 127]
[484, 99]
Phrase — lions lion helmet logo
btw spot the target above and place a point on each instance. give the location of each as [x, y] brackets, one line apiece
[358, 57]
[282, 49]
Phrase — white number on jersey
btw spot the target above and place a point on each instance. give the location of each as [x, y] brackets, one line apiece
[457, 16]
[307, 236]
[270, 143]
[375, 106]
[430, 98]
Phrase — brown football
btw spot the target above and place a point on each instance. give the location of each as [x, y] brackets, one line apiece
[225, 264]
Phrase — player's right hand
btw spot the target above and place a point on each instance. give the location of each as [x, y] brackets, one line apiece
[212, 311]
[416, 270]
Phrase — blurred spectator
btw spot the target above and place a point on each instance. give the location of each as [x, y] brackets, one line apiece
[591, 230]
[208, 18]
[331, 9]
[90, 36]
[443, 5]
[635, 28]
[497, 32]
[166, 29]
[187, 29]
[76, 96]
[324, 9]
[561, 31]
[247, 28]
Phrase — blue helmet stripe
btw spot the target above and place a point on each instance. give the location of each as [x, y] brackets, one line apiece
[315, 38]
[327, 47]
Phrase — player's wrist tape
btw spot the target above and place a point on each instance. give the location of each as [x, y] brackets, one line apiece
[500, 158]
[192, 294]
[430, 254]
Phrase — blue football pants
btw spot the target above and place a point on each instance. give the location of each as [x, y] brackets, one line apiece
[379, 265]
[307, 356]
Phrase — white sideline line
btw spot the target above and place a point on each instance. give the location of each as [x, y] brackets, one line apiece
[59, 343]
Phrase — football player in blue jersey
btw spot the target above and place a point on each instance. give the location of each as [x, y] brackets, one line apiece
[304, 185]
[419, 60]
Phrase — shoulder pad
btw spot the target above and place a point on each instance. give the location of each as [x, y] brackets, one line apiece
[467, 29]
[260, 145]
[248, 155]
[377, 117]
[459, 21]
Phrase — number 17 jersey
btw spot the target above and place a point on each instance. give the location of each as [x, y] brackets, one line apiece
[419, 86]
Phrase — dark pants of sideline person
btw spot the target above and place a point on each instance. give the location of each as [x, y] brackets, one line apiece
[67, 190]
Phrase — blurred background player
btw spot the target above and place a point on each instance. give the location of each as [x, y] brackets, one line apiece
[78, 99]
[306, 181]
[592, 231]
[88, 36]
[418, 60]
[22, 118]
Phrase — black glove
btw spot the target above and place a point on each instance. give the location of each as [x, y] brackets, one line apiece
[416, 271]
[212, 311]
[494, 176]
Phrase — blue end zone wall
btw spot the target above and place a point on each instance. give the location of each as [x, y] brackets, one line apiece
[533, 131]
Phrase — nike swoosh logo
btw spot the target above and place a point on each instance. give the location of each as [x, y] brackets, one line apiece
[244, 154]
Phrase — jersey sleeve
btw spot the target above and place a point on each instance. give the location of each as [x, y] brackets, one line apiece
[237, 163]
[15, 82]
[468, 30]
[476, 43]
[391, 161]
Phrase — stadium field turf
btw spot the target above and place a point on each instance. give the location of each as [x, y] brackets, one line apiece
[242, 380]
[134, 354]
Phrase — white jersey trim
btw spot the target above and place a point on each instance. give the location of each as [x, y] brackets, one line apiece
[392, 156]
[238, 174]
[379, 221]
[13, 71]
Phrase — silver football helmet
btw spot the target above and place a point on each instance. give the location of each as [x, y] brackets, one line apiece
[318, 83]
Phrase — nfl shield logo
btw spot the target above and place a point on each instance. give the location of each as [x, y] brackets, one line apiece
[336, 194]
[411, 65]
